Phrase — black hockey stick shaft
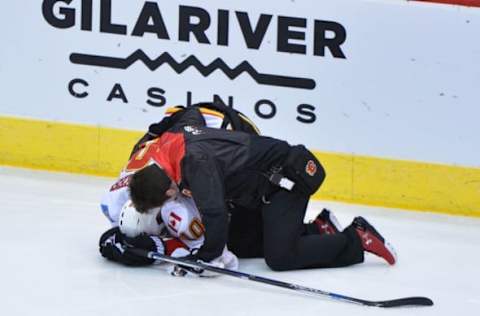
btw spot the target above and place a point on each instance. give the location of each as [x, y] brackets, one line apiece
[407, 301]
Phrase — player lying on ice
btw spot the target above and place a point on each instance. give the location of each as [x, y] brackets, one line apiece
[251, 193]
[174, 229]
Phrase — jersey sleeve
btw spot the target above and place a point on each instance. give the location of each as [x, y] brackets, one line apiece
[205, 181]
[183, 221]
[112, 202]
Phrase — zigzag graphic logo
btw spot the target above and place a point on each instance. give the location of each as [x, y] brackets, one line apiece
[192, 61]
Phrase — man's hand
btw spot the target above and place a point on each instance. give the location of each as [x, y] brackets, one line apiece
[226, 261]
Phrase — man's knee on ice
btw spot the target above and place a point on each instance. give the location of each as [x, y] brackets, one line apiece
[279, 263]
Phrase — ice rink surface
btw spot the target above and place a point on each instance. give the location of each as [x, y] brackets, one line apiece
[50, 265]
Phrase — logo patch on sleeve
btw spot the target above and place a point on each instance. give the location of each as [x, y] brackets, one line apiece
[174, 222]
[311, 168]
[121, 183]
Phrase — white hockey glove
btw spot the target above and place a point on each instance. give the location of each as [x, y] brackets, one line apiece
[226, 261]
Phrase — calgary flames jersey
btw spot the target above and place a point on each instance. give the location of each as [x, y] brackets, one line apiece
[179, 215]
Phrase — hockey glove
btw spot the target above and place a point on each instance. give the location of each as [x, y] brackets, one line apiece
[115, 246]
[226, 261]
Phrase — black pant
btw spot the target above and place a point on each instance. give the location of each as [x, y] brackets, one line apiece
[277, 233]
[245, 233]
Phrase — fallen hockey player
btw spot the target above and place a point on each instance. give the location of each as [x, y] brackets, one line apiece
[263, 183]
[174, 229]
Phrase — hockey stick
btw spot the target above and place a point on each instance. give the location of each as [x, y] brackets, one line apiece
[406, 301]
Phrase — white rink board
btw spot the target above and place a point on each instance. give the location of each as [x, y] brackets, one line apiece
[407, 88]
[51, 266]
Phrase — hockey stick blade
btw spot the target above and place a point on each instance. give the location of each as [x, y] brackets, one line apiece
[406, 301]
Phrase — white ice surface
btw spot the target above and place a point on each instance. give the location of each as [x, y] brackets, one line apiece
[50, 265]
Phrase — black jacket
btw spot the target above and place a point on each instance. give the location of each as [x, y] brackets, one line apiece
[219, 166]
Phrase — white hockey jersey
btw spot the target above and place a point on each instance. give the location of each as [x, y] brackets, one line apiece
[179, 216]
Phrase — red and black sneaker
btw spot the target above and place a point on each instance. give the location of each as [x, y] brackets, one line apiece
[372, 241]
[327, 223]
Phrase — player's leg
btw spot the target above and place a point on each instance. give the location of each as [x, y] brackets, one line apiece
[287, 247]
[245, 237]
